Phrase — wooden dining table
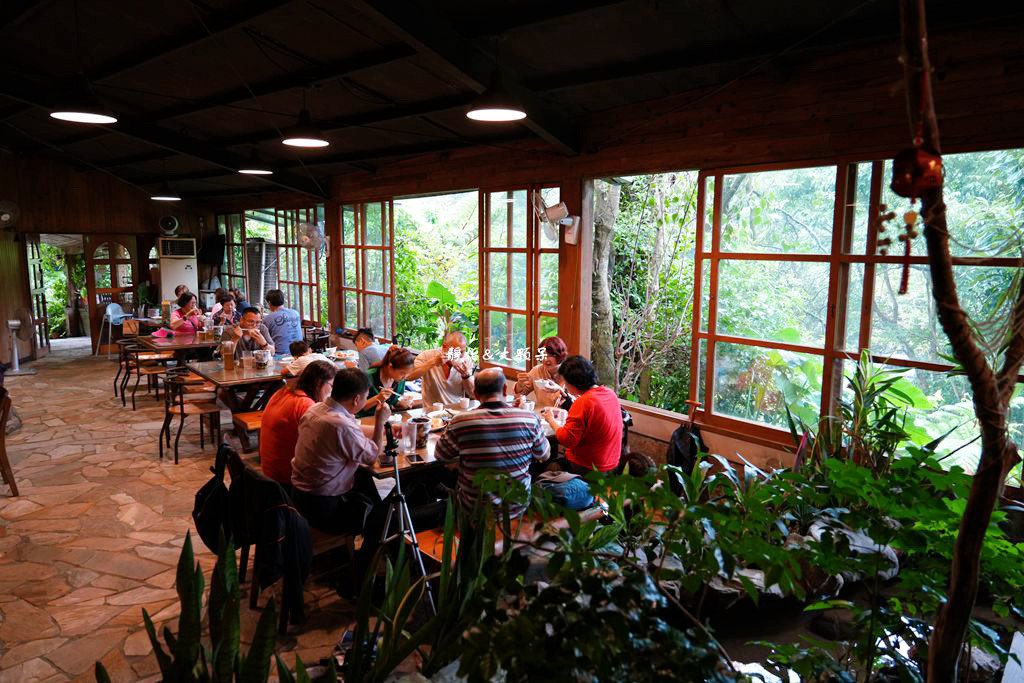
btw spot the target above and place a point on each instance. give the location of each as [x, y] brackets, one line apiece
[181, 344]
[421, 461]
[247, 382]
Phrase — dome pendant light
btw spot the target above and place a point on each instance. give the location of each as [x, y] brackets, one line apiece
[304, 133]
[83, 106]
[255, 166]
[495, 105]
[165, 194]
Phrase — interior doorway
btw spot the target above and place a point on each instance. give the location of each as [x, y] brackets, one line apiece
[110, 272]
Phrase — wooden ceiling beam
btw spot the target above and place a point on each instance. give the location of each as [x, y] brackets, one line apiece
[409, 150]
[14, 12]
[28, 92]
[529, 14]
[272, 86]
[195, 34]
[401, 111]
[424, 28]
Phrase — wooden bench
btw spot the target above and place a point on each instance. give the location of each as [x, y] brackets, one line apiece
[245, 423]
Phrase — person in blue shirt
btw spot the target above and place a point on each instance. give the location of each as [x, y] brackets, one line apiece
[284, 323]
[370, 352]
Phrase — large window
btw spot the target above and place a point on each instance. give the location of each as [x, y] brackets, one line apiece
[793, 285]
[367, 267]
[232, 269]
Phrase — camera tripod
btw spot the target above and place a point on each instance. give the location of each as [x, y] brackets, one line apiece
[406, 533]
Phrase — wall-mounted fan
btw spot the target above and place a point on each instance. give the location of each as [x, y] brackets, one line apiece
[169, 226]
[552, 218]
[9, 214]
[311, 236]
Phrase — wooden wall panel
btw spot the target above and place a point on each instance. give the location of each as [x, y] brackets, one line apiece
[12, 293]
[55, 198]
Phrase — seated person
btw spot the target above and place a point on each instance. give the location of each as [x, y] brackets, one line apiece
[280, 424]
[592, 434]
[302, 356]
[495, 436]
[370, 352]
[240, 298]
[330, 486]
[387, 381]
[178, 291]
[226, 311]
[285, 324]
[555, 351]
[250, 333]
[219, 294]
[187, 318]
[447, 372]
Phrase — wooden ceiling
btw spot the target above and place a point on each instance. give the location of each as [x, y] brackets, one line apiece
[201, 86]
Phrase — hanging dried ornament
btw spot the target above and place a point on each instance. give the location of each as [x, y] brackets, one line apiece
[884, 216]
[914, 171]
[907, 237]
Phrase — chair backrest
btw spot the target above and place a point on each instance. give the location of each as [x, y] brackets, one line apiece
[114, 310]
[5, 413]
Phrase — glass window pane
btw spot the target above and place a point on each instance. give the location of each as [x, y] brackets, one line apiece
[375, 311]
[984, 194]
[350, 304]
[782, 301]
[373, 270]
[348, 267]
[374, 215]
[757, 384]
[518, 281]
[547, 326]
[789, 211]
[705, 293]
[507, 339]
[549, 282]
[519, 218]
[854, 299]
[102, 251]
[548, 236]
[498, 272]
[348, 224]
[861, 205]
[102, 274]
[498, 225]
[709, 213]
[906, 326]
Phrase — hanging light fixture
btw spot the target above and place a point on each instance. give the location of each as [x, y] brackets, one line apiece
[255, 166]
[304, 133]
[165, 193]
[496, 105]
[83, 106]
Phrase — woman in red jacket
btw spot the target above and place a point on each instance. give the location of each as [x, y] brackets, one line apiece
[279, 427]
[592, 434]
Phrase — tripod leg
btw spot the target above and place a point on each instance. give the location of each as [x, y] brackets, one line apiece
[410, 533]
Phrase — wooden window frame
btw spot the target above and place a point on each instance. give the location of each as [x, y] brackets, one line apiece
[362, 250]
[233, 274]
[840, 259]
[533, 252]
[298, 268]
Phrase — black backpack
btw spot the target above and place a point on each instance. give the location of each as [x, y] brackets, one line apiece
[212, 511]
[683, 450]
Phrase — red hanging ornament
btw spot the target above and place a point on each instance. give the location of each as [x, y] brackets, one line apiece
[908, 235]
[914, 171]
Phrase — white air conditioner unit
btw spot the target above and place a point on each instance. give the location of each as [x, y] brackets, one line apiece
[177, 247]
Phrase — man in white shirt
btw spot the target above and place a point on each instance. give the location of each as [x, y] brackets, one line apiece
[447, 372]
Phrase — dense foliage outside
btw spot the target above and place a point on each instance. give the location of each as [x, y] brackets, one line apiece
[773, 279]
[436, 267]
[55, 278]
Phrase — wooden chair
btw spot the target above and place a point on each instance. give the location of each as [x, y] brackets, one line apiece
[246, 424]
[5, 464]
[143, 362]
[177, 403]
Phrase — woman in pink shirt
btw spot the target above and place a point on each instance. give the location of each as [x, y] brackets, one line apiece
[279, 428]
[188, 318]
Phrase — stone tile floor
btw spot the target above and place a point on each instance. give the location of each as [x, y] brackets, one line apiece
[95, 535]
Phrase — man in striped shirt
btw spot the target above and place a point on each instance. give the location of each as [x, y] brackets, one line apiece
[495, 436]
